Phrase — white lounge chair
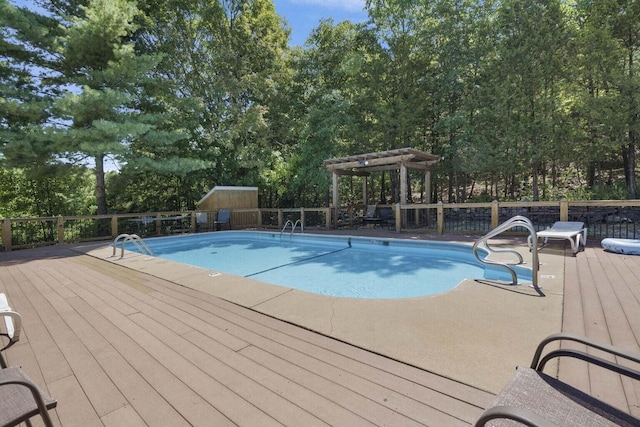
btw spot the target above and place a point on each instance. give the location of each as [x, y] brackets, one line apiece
[573, 231]
[12, 326]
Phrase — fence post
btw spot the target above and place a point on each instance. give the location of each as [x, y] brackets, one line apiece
[60, 230]
[6, 234]
[398, 216]
[114, 226]
[564, 210]
[440, 217]
[302, 217]
[495, 217]
[192, 225]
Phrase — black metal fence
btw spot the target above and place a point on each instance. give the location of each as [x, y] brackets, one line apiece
[602, 218]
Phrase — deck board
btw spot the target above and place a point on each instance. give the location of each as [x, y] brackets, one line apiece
[601, 301]
[120, 347]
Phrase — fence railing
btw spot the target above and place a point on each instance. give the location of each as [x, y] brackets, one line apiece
[610, 218]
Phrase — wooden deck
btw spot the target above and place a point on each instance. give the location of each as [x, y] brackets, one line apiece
[117, 348]
[121, 348]
[602, 301]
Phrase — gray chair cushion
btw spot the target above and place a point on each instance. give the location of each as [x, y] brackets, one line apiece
[17, 402]
[557, 402]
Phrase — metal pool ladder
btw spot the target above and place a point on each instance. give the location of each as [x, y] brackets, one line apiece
[516, 221]
[133, 238]
[293, 226]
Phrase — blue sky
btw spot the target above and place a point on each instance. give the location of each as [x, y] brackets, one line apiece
[304, 15]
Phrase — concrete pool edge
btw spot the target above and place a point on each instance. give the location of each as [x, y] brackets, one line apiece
[476, 334]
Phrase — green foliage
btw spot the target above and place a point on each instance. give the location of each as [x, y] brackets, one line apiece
[63, 190]
[131, 190]
[521, 98]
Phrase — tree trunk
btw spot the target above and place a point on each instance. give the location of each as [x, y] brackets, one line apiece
[394, 188]
[629, 157]
[633, 123]
[543, 176]
[450, 188]
[101, 195]
[591, 175]
[591, 167]
[534, 183]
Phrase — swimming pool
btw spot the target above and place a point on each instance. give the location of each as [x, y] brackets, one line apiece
[343, 266]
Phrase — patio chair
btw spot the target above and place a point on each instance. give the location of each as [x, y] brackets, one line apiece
[224, 217]
[534, 398]
[387, 218]
[21, 399]
[346, 218]
[573, 231]
[12, 326]
[202, 221]
[370, 216]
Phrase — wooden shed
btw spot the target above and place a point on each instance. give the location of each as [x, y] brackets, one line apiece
[229, 197]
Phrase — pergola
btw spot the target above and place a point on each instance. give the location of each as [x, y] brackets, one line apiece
[400, 159]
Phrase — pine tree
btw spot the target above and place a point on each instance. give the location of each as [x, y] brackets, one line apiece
[104, 108]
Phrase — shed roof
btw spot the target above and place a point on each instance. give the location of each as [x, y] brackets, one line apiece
[225, 188]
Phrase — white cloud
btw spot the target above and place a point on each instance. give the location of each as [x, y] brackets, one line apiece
[348, 5]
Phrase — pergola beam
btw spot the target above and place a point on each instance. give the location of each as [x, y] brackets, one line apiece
[366, 163]
[351, 172]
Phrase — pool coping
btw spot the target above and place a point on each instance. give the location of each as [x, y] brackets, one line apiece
[285, 261]
[476, 333]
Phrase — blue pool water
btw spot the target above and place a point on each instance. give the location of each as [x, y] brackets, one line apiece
[341, 266]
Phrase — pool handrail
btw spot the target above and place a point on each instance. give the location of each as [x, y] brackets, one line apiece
[293, 226]
[135, 240]
[516, 221]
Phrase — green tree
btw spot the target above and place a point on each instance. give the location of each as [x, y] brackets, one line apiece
[34, 182]
[104, 108]
[425, 77]
[609, 44]
[525, 81]
[337, 101]
[65, 190]
[593, 102]
[25, 96]
[221, 71]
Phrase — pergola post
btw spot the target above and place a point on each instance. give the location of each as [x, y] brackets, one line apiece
[403, 183]
[427, 186]
[364, 190]
[336, 200]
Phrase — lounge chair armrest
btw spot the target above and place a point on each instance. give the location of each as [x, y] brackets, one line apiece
[515, 413]
[13, 325]
[539, 362]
